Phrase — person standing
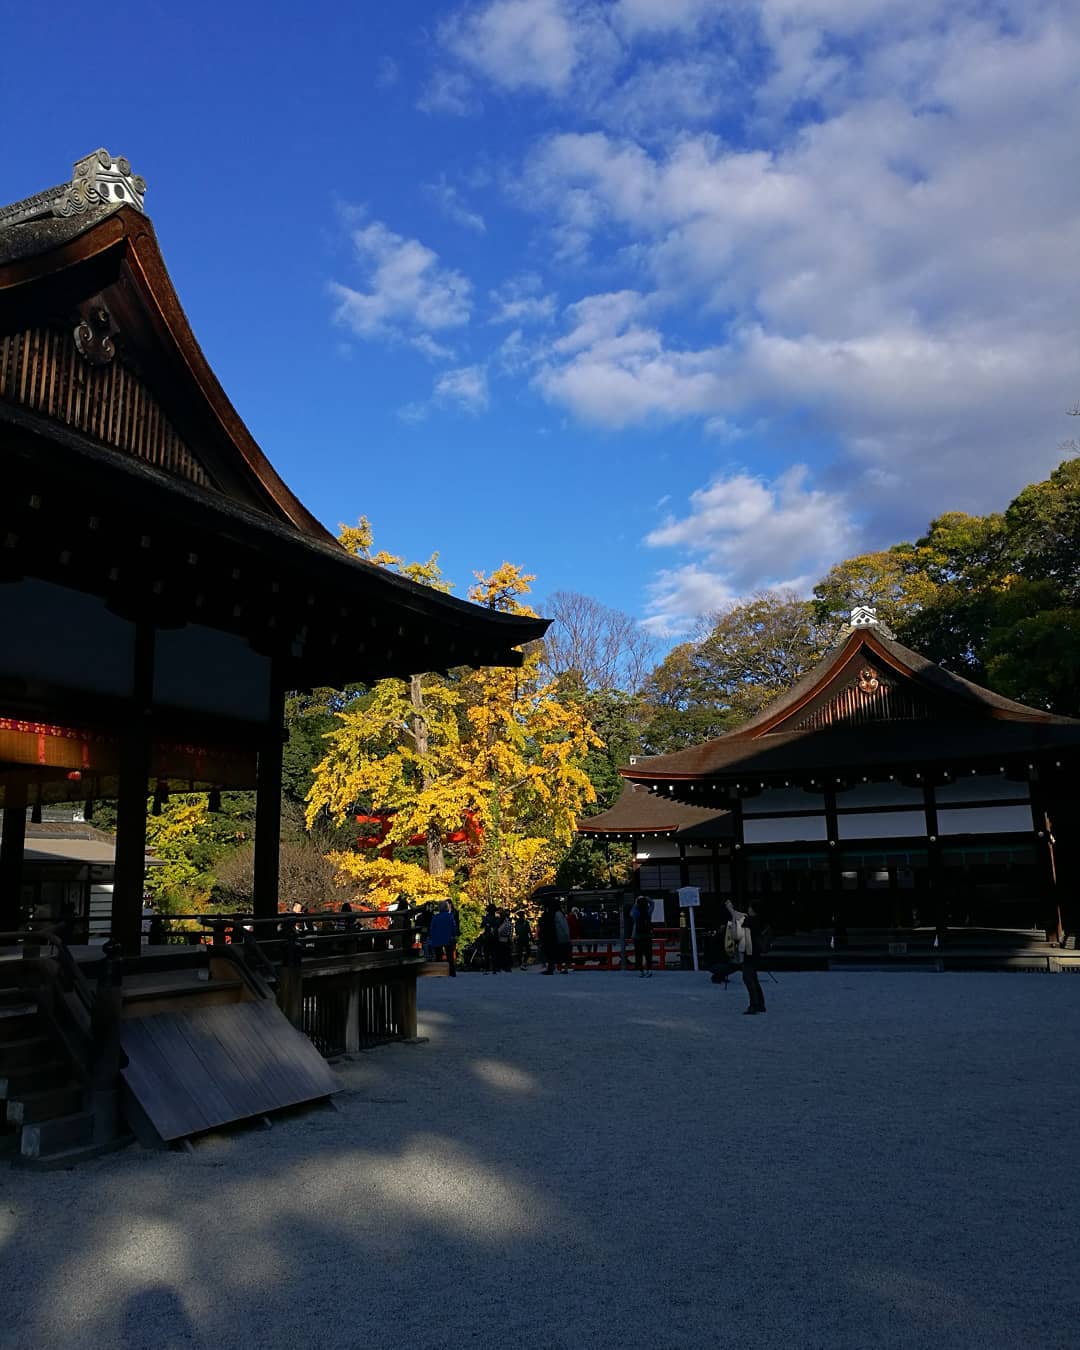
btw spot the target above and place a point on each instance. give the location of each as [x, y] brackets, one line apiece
[443, 936]
[548, 938]
[746, 929]
[522, 939]
[641, 915]
[506, 940]
[563, 943]
[489, 933]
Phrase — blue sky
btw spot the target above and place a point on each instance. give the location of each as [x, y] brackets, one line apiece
[666, 300]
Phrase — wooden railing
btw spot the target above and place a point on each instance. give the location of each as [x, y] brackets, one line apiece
[83, 1014]
[346, 980]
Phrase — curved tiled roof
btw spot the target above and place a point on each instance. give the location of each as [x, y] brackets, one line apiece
[639, 811]
[967, 722]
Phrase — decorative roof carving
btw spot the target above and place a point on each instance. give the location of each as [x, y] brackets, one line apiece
[99, 183]
[863, 618]
[870, 697]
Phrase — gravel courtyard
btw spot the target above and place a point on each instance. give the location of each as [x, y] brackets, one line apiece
[883, 1160]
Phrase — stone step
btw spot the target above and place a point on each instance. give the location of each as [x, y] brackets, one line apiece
[25, 1052]
[33, 1107]
[48, 1074]
[49, 1137]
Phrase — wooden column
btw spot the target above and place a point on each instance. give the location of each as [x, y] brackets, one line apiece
[841, 917]
[11, 862]
[738, 856]
[1042, 823]
[939, 908]
[268, 808]
[130, 875]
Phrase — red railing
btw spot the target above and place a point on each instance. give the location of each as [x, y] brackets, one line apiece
[607, 953]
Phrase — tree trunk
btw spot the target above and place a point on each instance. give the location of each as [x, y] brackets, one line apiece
[435, 858]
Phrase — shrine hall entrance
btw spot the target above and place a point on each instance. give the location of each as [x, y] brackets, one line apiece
[978, 884]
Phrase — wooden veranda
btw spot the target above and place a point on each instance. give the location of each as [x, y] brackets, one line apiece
[161, 589]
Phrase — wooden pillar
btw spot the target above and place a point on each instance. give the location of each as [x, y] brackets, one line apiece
[130, 874]
[738, 857]
[404, 996]
[1050, 911]
[841, 917]
[11, 861]
[268, 808]
[939, 908]
[352, 1016]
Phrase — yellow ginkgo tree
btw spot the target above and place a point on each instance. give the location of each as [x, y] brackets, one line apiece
[490, 748]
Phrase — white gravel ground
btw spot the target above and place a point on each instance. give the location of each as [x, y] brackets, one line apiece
[884, 1160]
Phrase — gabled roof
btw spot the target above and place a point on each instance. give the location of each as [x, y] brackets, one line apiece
[869, 700]
[639, 811]
[112, 421]
[82, 276]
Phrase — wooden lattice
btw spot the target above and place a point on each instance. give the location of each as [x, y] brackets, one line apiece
[864, 701]
[42, 369]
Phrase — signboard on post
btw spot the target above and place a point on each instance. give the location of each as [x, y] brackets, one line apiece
[690, 898]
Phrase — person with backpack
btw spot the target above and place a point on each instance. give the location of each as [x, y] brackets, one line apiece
[443, 936]
[749, 935]
[641, 916]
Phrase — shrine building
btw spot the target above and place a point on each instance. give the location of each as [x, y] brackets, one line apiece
[881, 791]
[160, 586]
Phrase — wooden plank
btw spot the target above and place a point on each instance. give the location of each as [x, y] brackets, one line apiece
[192, 1071]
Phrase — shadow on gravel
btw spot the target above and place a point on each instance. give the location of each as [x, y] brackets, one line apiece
[601, 1166]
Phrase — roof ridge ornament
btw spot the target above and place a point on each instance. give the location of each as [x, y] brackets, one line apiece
[863, 617]
[99, 183]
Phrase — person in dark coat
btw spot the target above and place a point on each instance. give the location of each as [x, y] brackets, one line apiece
[443, 936]
[548, 937]
[641, 915]
[522, 939]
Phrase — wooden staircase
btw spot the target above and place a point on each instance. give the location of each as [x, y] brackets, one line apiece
[42, 1091]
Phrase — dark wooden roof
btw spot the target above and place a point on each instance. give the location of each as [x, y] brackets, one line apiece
[639, 811]
[128, 473]
[870, 701]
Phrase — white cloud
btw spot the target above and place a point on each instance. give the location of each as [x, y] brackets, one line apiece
[449, 91]
[658, 16]
[902, 267]
[517, 44]
[757, 531]
[408, 293]
[750, 534]
[465, 388]
[426, 345]
[680, 596]
[454, 207]
[519, 301]
[388, 73]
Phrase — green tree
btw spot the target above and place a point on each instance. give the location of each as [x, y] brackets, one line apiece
[1043, 531]
[758, 648]
[681, 708]
[894, 582]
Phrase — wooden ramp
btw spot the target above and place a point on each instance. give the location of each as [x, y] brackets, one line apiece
[192, 1071]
